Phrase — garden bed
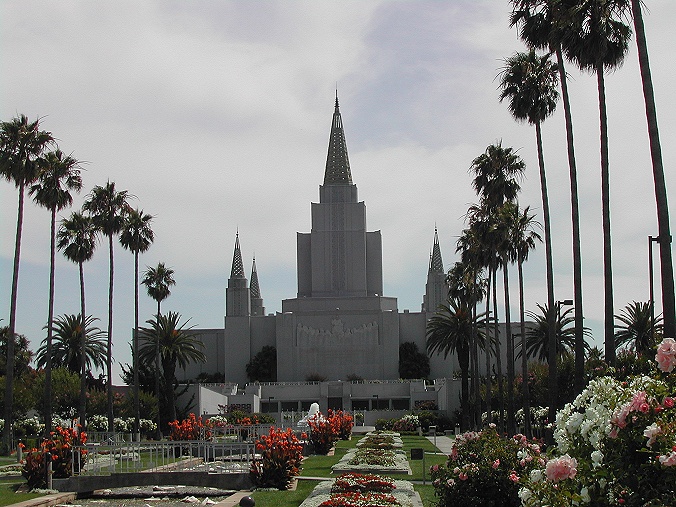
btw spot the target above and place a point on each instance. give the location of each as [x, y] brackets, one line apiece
[403, 495]
[373, 460]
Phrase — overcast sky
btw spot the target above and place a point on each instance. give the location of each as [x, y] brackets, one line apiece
[216, 116]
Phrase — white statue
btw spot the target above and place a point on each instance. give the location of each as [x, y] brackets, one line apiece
[311, 415]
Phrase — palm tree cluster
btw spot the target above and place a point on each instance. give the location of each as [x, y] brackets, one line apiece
[594, 35]
[32, 161]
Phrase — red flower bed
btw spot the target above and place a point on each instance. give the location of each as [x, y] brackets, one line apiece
[360, 483]
[58, 449]
[192, 428]
[281, 455]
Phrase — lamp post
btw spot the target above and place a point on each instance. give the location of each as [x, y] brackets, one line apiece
[651, 240]
[559, 304]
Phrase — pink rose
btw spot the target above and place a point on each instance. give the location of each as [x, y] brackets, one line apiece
[668, 402]
[668, 460]
[561, 468]
[513, 477]
[645, 408]
[651, 433]
[462, 476]
[666, 355]
[496, 464]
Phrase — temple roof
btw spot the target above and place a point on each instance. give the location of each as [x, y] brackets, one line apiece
[436, 264]
[337, 163]
[237, 266]
[255, 289]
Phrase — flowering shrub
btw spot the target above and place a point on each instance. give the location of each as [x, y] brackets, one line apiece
[218, 421]
[192, 428]
[343, 423]
[350, 499]
[281, 455]
[58, 450]
[28, 426]
[618, 440]
[324, 432]
[484, 469]
[408, 423]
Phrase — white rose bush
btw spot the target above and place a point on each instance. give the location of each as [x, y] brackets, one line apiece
[615, 444]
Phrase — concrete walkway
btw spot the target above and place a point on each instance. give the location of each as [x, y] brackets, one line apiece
[443, 443]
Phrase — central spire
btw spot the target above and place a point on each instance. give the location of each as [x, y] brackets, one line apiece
[337, 164]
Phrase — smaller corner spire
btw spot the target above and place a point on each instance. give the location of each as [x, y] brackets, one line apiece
[436, 264]
[255, 287]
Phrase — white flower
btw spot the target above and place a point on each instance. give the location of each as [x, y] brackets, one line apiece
[584, 494]
[536, 475]
[597, 458]
[525, 494]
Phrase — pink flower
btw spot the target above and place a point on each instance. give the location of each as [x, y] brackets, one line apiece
[666, 355]
[496, 464]
[668, 460]
[668, 402]
[462, 476]
[645, 408]
[561, 468]
[651, 433]
[513, 477]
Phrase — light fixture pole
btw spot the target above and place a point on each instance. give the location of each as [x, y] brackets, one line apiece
[651, 240]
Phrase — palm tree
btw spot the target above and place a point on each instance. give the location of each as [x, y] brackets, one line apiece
[66, 350]
[529, 82]
[466, 283]
[21, 145]
[537, 337]
[542, 24]
[59, 175]
[178, 347]
[77, 237]
[496, 179]
[466, 280]
[450, 331]
[598, 41]
[108, 206]
[667, 268]
[136, 236]
[523, 240]
[158, 282]
[637, 328]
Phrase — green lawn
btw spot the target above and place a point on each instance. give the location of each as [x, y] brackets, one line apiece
[8, 495]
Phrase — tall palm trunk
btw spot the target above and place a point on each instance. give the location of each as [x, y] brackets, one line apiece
[169, 373]
[498, 351]
[9, 375]
[487, 350]
[137, 415]
[109, 358]
[666, 265]
[83, 349]
[575, 216]
[524, 356]
[511, 423]
[609, 314]
[157, 379]
[553, 387]
[50, 331]
[475, 370]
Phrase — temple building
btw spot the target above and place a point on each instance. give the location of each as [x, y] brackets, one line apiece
[340, 326]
